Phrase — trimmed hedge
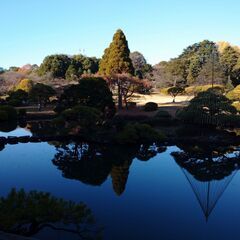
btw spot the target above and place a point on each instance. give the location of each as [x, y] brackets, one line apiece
[3, 116]
[151, 107]
[138, 133]
[8, 113]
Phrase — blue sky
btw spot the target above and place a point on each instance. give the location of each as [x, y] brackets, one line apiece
[160, 29]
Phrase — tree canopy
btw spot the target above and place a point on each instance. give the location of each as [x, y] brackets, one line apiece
[69, 67]
[90, 92]
[140, 65]
[25, 85]
[199, 64]
[41, 93]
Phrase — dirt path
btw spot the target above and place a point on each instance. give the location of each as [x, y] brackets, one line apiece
[160, 99]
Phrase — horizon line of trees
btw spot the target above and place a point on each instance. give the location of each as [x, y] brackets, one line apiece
[127, 72]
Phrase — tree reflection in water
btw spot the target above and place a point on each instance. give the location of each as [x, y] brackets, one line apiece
[27, 214]
[82, 162]
[209, 170]
[92, 164]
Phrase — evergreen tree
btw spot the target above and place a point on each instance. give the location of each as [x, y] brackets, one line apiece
[236, 74]
[229, 59]
[116, 58]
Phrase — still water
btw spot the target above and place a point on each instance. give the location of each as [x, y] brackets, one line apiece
[131, 196]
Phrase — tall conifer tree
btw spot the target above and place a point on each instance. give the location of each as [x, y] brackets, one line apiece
[116, 60]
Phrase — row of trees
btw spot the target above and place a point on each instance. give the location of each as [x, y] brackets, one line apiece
[69, 67]
[199, 64]
[127, 73]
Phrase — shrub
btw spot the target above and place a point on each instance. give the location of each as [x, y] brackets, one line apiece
[14, 102]
[59, 121]
[17, 98]
[59, 108]
[210, 108]
[163, 114]
[119, 121]
[86, 117]
[162, 117]
[90, 92]
[22, 112]
[40, 93]
[10, 111]
[151, 107]
[138, 133]
[3, 116]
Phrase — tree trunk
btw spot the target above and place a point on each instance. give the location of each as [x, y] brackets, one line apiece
[126, 103]
[119, 96]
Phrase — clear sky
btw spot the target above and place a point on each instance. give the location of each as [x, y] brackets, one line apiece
[160, 29]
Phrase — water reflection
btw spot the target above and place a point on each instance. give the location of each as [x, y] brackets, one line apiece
[209, 171]
[92, 164]
[82, 162]
[151, 192]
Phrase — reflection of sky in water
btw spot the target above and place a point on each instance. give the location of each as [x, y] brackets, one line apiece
[16, 133]
[158, 202]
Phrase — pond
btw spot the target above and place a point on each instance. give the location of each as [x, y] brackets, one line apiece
[142, 193]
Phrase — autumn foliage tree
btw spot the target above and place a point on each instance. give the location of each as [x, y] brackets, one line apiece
[25, 85]
[128, 85]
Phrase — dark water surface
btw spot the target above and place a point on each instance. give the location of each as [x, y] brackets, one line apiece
[131, 198]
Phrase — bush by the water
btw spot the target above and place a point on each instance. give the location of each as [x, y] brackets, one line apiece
[150, 107]
[3, 116]
[86, 117]
[17, 98]
[119, 121]
[161, 114]
[161, 118]
[138, 133]
[7, 113]
[22, 113]
[210, 108]
[91, 92]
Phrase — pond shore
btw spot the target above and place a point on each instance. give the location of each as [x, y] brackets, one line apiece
[7, 236]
